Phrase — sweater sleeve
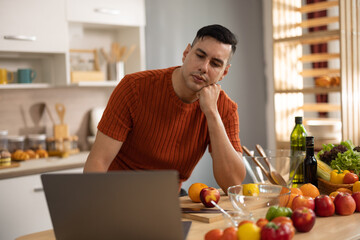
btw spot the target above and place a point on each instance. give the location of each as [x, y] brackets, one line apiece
[118, 116]
[230, 118]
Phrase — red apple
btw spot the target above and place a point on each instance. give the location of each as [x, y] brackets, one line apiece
[344, 204]
[209, 194]
[350, 178]
[303, 201]
[303, 219]
[356, 197]
[324, 206]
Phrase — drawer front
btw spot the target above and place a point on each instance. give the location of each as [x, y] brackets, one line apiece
[114, 12]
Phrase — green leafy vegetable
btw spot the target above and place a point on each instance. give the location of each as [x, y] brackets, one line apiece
[348, 144]
[349, 160]
[341, 156]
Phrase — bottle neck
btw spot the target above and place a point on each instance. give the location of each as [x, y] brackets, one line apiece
[310, 151]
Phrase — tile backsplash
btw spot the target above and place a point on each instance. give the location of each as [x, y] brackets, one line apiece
[23, 111]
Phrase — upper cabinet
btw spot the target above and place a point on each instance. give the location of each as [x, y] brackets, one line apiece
[43, 35]
[33, 26]
[316, 69]
[113, 12]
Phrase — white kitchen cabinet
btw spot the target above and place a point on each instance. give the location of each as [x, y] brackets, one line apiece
[23, 207]
[61, 25]
[114, 12]
[33, 26]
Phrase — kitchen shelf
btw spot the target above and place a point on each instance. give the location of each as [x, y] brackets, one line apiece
[318, 22]
[24, 86]
[319, 72]
[317, 6]
[311, 90]
[96, 84]
[320, 107]
[312, 38]
[319, 57]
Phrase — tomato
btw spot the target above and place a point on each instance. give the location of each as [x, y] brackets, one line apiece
[261, 222]
[230, 233]
[214, 234]
[350, 178]
[274, 231]
[285, 220]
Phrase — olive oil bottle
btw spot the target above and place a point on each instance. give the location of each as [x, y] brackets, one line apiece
[297, 152]
[310, 163]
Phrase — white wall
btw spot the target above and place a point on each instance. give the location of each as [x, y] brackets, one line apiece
[172, 24]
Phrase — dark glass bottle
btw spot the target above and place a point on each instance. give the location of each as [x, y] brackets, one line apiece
[310, 163]
[297, 152]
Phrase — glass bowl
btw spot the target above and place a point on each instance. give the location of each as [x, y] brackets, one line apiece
[257, 206]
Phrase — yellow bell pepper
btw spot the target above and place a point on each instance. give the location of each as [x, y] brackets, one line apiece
[356, 186]
[337, 176]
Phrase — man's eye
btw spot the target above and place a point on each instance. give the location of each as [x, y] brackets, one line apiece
[200, 56]
[215, 64]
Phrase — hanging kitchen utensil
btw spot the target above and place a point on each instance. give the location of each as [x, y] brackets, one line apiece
[273, 173]
[61, 130]
[266, 173]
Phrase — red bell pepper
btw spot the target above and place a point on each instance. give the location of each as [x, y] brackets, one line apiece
[276, 231]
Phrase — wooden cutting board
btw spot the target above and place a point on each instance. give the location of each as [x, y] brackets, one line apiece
[61, 130]
[205, 217]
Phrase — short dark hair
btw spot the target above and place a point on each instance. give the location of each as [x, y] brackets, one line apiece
[220, 33]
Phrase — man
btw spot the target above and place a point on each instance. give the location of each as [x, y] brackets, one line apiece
[165, 119]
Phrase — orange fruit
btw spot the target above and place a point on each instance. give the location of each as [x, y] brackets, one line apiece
[194, 191]
[292, 196]
[333, 194]
[296, 191]
[284, 199]
[310, 190]
[344, 190]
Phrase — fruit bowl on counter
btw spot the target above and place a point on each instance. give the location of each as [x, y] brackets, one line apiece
[255, 199]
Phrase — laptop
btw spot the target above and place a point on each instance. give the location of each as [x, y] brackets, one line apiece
[115, 205]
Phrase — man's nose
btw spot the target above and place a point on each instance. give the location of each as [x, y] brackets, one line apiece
[203, 68]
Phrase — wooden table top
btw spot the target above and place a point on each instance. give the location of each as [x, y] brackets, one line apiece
[334, 227]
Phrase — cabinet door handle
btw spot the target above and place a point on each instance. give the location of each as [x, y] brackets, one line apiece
[107, 11]
[38, 189]
[20, 37]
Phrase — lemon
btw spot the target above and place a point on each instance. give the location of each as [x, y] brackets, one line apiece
[251, 189]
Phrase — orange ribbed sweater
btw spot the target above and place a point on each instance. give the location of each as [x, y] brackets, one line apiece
[157, 129]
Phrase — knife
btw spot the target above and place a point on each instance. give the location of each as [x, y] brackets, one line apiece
[200, 210]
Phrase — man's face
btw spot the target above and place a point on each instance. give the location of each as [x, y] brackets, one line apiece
[205, 63]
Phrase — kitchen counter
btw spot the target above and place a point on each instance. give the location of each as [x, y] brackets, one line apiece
[42, 165]
[334, 227]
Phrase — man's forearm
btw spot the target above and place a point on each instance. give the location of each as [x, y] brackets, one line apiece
[228, 165]
[92, 165]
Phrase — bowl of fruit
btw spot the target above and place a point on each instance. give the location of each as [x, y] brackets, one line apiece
[254, 199]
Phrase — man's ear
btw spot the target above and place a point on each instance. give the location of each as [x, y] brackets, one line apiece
[225, 72]
[186, 51]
